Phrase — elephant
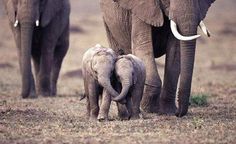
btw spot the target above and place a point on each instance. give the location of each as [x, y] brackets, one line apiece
[41, 32]
[150, 29]
[97, 69]
[130, 74]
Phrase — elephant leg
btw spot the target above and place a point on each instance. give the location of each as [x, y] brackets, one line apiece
[46, 63]
[112, 41]
[105, 106]
[36, 54]
[93, 97]
[129, 106]
[142, 47]
[122, 111]
[36, 61]
[136, 97]
[172, 71]
[59, 54]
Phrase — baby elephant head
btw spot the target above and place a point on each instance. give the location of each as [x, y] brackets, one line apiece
[103, 66]
[124, 71]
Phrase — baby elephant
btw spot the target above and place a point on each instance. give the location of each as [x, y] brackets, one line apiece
[130, 77]
[97, 68]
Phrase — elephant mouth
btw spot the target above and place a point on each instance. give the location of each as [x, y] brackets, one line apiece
[176, 33]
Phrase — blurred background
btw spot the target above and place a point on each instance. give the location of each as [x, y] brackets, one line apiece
[214, 72]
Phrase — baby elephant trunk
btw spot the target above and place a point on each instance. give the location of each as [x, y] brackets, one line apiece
[125, 89]
[105, 82]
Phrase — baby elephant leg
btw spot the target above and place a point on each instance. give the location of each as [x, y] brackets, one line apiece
[105, 106]
[93, 99]
[122, 111]
[136, 97]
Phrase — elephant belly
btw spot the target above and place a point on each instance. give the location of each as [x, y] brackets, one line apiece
[118, 21]
[160, 37]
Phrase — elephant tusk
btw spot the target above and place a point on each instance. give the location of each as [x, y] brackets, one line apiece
[178, 35]
[204, 29]
[37, 23]
[16, 23]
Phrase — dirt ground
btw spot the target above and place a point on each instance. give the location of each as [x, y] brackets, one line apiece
[62, 119]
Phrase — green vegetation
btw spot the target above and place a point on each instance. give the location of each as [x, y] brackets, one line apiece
[199, 99]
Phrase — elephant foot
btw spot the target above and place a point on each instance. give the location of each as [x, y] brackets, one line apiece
[135, 117]
[167, 103]
[124, 115]
[102, 118]
[182, 110]
[54, 91]
[33, 95]
[45, 94]
[150, 100]
[180, 113]
[167, 108]
[183, 104]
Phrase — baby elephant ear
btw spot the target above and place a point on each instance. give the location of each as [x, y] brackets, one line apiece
[204, 6]
[11, 9]
[148, 11]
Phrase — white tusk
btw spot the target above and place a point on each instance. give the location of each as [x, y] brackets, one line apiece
[204, 29]
[16, 23]
[178, 35]
[37, 23]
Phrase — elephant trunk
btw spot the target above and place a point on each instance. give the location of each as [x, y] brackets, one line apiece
[26, 43]
[125, 89]
[187, 63]
[106, 83]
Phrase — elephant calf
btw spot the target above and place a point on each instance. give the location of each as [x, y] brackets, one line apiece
[130, 77]
[97, 68]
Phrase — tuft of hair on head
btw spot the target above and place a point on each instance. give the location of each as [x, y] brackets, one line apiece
[98, 45]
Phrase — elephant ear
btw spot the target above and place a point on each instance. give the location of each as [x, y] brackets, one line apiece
[204, 6]
[11, 9]
[49, 9]
[148, 11]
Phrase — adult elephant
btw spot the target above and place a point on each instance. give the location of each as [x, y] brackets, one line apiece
[41, 30]
[150, 29]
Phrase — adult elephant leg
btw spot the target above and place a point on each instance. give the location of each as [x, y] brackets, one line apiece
[36, 61]
[112, 41]
[46, 63]
[105, 106]
[59, 54]
[172, 71]
[142, 47]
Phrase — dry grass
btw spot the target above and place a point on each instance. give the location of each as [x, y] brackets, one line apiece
[62, 119]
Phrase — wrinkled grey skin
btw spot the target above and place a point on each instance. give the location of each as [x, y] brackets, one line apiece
[142, 27]
[129, 81]
[46, 44]
[97, 68]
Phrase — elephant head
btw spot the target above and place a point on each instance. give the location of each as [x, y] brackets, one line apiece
[102, 66]
[185, 16]
[124, 71]
[25, 15]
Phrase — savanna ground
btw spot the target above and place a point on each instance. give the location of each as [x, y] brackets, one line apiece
[62, 119]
